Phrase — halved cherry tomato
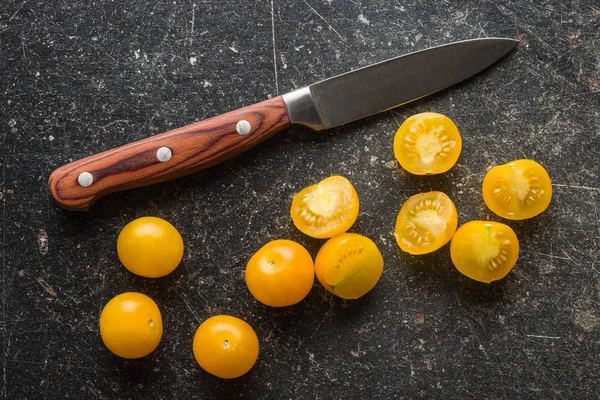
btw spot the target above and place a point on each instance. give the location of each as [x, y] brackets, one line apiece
[425, 222]
[427, 143]
[349, 265]
[280, 273]
[517, 190]
[484, 250]
[225, 346]
[150, 247]
[131, 325]
[325, 209]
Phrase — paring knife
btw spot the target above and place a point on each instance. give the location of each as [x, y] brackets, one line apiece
[326, 104]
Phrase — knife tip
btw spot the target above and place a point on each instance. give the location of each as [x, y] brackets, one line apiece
[511, 43]
[514, 42]
[505, 45]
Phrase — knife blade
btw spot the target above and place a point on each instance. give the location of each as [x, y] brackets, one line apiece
[322, 105]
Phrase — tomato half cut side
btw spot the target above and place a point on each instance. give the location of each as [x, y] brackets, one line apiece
[517, 190]
[325, 209]
[427, 143]
[425, 222]
[485, 251]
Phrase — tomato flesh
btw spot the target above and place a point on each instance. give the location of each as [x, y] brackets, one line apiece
[517, 190]
[281, 273]
[325, 209]
[485, 251]
[425, 223]
[427, 143]
[349, 265]
[225, 346]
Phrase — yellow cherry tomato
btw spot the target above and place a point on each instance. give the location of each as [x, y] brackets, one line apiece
[517, 190]
[281, 273]
[427, 143]
[225, 346]
[349, 265]
[131, 325]
[150, 247]
[484, 250]
[425, 223]
[325, 209]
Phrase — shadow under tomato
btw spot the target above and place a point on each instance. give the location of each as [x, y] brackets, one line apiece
[136, 376]
[436, 273]
[213, 387]
[414, 184]
[473, 292]
[319, 305]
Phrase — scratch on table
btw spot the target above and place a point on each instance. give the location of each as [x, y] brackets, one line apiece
[248, 225]
[552, 121]
[579, 94]
[192, 24]
[597, 217]
[511, 14]
[567, 258]
[507, 84]
[274, 51]
[544, 337]
[575, 186]
[393, 114]
[462, 18]
[419, 24]
[327, 22]
[565, 79]
[6, 349]
[3, 322]
[18, 10]
[541, 40]
[189, 306]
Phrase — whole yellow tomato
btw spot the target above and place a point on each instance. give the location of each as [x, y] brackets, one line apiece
[281, 273]
[349, 265]
[325, 209]
[225, 346]
[517, 190]
[484, 250]
[427, 143]
[131, 325]
[150, 247]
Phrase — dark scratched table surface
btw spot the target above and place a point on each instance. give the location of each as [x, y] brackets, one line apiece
[79, 77]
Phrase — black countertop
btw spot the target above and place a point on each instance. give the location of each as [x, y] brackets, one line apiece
[80, 77]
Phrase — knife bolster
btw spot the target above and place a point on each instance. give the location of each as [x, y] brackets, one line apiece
[302, 110]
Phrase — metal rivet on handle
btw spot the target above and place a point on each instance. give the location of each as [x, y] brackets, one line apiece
[85, 179]
[243, 127]
[163, 154]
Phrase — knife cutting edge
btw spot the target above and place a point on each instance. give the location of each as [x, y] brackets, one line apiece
[322, 105]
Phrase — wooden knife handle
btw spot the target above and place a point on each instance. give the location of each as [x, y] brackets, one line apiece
[76, 186]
